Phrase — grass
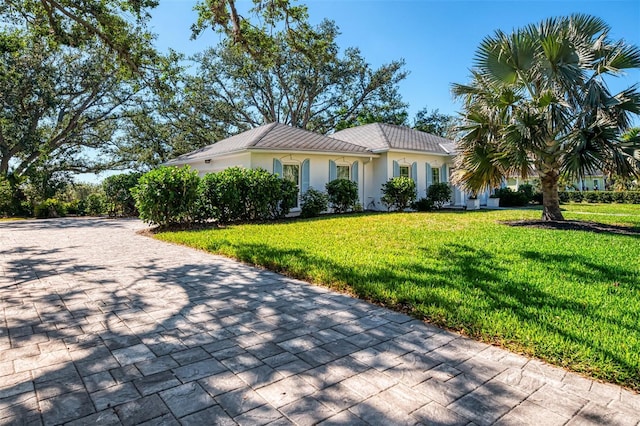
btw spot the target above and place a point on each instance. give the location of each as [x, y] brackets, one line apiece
[571, 298]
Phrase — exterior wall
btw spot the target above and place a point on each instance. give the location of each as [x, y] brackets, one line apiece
[378, 171]
[220, 163]
[373, 172]
[384, 170]
[588, 183]
[318, 167]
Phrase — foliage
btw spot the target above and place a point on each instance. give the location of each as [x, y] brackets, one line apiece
[398, 193]
[238, 194]
[423, 205]
[95, 204]
[84, 24]
[177, 115]
[57, 105]
[606, 197]
[6, 195]
[439, 194]
[472, 273]
[51, 207]
[434, 122]
[245, 34]
[527, 189]
[343, 194]
[314, 202]
[167, 195]
[313, 86]
[539, 102]
[511, 198]
[117, 192]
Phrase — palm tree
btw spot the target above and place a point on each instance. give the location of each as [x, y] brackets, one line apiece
[538, 103]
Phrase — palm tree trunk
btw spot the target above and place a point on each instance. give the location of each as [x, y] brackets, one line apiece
[550, 199]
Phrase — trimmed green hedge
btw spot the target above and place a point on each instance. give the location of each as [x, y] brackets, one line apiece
[622, 197]
[238, 194]
[167, 195]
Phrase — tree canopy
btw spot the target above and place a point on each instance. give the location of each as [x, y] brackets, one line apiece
[56, 101]
[314, 87]
[538, 104]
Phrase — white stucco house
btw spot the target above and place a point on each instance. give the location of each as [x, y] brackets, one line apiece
[369, 155]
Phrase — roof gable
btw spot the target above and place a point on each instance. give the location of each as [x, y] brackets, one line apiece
[380, 137]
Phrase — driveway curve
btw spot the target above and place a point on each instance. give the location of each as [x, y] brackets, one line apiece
[100, 325]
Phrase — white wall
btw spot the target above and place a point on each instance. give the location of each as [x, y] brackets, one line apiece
[221, 163]
[318, 166]
[384, 171]
[372, 172]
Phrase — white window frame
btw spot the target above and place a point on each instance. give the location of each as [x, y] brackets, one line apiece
[407, 167]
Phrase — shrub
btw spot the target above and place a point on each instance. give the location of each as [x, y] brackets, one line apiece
[629, 197]
[564, 197]
[423, 205]
[510, 198]
[439, 194]
[51, 207]
[118, 198]
[237, 194]
[6, 196]
[398, 193]
[527, 190]
[95, 204]
[314, 202]
[576, 196]
[605, 196]
[167, 195]
[618, 197]
[343, 194]
[592, 197]
[632, 197]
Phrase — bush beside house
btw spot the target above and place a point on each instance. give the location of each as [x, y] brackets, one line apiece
[398, 193]
[343, 195]
[167, 195]
[314, 202]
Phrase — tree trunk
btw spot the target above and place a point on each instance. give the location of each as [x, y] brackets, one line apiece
[550, 199]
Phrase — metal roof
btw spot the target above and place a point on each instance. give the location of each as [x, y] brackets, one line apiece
[274, 137]
[380, 137]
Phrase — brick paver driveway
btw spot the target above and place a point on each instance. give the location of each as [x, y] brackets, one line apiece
[104, 326]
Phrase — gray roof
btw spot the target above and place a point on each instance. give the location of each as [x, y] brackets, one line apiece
[273, 137]
[380, 137]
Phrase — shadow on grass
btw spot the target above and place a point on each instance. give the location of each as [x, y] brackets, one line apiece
[469, 288]
[578, 225]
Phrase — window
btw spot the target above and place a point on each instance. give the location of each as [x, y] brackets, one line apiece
[405, 171]
[435, 175]
[343, 172]
[292, 172]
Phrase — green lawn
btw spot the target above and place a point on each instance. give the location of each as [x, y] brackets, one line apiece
[569, 297]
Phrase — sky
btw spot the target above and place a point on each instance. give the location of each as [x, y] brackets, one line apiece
[436, 38]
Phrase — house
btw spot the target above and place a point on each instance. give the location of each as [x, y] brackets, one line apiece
[369, 155]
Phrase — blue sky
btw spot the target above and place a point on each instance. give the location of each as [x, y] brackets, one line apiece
[437, 39]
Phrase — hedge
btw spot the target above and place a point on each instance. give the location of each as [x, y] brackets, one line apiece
[606, 197]
[238, 194]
